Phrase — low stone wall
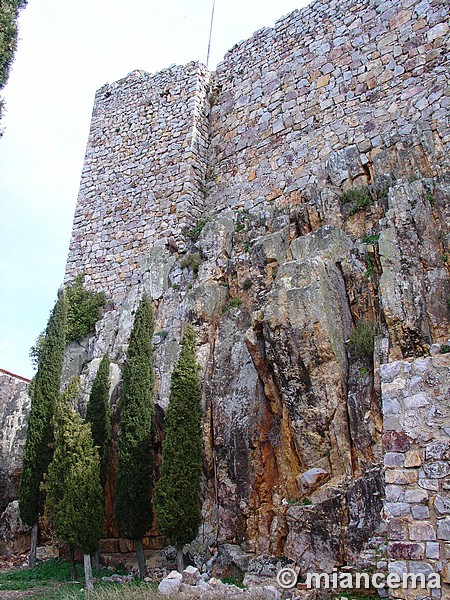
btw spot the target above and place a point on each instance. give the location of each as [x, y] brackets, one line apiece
[416, 408]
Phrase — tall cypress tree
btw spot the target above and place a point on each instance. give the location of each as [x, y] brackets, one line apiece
[177, 493]
[98, 414]
[74, 492]
[136, 461]
[39, 441]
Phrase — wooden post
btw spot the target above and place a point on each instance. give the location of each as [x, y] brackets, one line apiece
[89, 584]
[141, 558]
[73, 566]
[180, 559]
[34, 537]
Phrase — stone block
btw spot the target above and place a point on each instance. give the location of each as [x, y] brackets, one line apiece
[397, 509]
[412, 459]
[416, 495]
[389, 371]
[443, 530]
[395, 441]
[401, 476]
[394, 493]
[429, 484]
[432, 550]
[436, 450]
[422, 532]
[417, 400]
[191, 575]
[437, 469]
[442, 505]
[406, 550]
[394, 459]
[420, 512]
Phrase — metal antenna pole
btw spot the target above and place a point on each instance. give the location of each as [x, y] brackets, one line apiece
[210, 33]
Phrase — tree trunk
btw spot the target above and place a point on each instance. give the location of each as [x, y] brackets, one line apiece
[180, 559]
[73, 566]
[141, 558]
[96, 560]
[89, 584]
[34, 536]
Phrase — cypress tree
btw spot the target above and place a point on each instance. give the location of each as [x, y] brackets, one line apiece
[39, 441]
[177, 493]
[98, 414]
[74, 491]
[136, 461]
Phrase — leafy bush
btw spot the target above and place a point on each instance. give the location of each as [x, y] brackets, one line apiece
[233, 303]
[371, 239]
[360, 198]
[361, 339]
[192, 261]
[445, 349]
[194, 233]
[83, 310]
[247, 284]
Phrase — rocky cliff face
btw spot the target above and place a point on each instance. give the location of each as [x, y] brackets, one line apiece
[293, 419]
[14, 410]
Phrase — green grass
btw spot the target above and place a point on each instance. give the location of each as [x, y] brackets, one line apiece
[50, 579]
[362, 338]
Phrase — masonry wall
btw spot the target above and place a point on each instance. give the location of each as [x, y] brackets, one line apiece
[416, 408]
[371, 77]
[143, 174]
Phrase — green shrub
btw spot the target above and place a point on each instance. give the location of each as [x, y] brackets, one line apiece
[83, 310]
[192, 261]
[361, 339]
[370, 268]
[247, 284]
[371, 239]
[360, 198]
[194, 233]
[233, 303]
[445, 349]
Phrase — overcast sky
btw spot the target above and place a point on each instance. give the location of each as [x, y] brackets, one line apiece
[66, 51]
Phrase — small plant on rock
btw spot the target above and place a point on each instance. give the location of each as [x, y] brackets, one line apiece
[360, 198]
[233, 303]
[83, 310]
[362, 338]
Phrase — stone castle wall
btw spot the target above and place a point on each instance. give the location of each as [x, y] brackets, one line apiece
[335, 92]
[142, 175]
[416, 411]
[324, 94]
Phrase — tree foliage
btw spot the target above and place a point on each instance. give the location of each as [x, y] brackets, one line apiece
[44, 396]
[83, 310]
[136, 461]
[74, 492]
[9, 12]
[98, 414]
[177, 493]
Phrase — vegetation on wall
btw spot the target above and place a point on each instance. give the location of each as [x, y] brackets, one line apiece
[83, 310]
[362, 339]
[177, 493]
[136, 461]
